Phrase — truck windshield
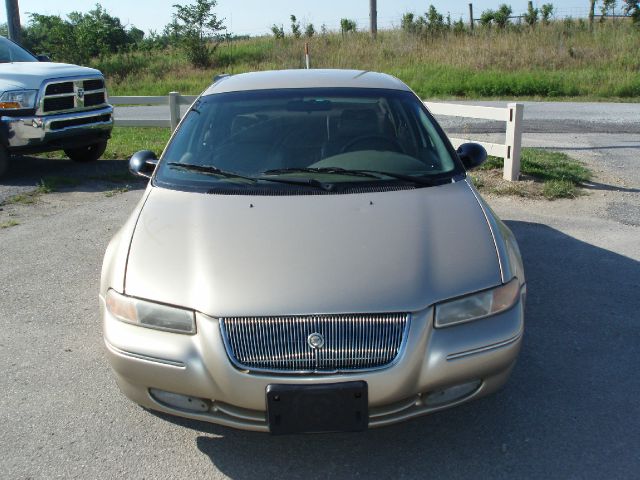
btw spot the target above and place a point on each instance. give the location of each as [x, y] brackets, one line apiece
[11, 52]
[335, 135]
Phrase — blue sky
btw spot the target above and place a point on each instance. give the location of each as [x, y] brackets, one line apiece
[256, 16]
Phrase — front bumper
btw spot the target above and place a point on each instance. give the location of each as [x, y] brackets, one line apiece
[31, 134]
[198, 366]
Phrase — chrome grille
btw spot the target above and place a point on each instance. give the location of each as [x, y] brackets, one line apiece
[281, 344]
[67, 95]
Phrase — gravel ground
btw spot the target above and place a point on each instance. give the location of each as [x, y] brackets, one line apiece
[570, 409]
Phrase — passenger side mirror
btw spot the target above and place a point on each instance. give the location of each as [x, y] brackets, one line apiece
[43, 58]
[472, 155]
[143, 163]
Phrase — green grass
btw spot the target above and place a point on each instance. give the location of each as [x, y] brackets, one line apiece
[125, 141]
[550, 174]
[564, 60]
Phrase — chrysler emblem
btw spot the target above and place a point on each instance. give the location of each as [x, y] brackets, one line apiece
[315, 341]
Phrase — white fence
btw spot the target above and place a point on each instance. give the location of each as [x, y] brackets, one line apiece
[512, 115]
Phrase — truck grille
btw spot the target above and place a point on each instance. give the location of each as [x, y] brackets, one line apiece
[73, 95]
[282, 344]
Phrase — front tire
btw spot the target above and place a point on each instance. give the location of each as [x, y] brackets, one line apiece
[4, 160]
[90, 153]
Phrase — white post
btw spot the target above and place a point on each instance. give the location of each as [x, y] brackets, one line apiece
[306, 54]
[513, 142]
[174, 109]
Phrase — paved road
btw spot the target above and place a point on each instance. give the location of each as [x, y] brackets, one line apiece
[570, 409]
[552, 117]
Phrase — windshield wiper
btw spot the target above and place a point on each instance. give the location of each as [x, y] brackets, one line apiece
[330, 170]
[208, 170]
[310, 182]
[357, 172]
[401, 176]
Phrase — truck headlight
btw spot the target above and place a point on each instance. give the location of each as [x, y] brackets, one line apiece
[18, 99]
[150, 314]
[477, 305]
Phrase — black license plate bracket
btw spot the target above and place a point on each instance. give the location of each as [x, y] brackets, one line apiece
[327, 407]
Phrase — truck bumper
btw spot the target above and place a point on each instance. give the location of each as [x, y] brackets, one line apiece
[33, 134]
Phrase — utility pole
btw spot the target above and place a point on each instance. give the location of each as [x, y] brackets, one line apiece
[373, 18]
[471, 16]
[13, 20]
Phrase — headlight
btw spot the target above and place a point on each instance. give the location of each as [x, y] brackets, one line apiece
[18, 99]
[477, 305]
[150, 314]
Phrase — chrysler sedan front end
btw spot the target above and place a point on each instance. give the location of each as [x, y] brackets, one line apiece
[309, 255]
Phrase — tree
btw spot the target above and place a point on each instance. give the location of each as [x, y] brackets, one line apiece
[309, 30]
[501, 16]
[278, 31]
[98, 33]
[198, 28]
[592, 12]
[347, 25]
[434, 20]
[295, 27]
[607, 8]
[51, 35]
[413, 25]
[459, 27]
[547, 11]
[632, 9]
[487, 17]
[531, 16]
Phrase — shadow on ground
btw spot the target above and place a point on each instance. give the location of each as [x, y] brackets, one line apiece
[27, 173]
[570, 409]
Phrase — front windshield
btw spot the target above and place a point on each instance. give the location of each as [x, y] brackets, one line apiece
[10, 52]
[326, 135]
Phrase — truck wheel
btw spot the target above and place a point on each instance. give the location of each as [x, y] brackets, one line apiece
[90, 153]
[4, 160]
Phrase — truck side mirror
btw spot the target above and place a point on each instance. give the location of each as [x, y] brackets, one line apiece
[143, 163]
[43, 58]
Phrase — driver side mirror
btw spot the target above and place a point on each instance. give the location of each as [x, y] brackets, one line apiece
[143, 163]
[43, 58]
[472, 155]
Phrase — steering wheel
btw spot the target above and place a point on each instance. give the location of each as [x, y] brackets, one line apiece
[372, 142]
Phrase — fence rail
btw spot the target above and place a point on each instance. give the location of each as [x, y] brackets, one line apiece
[512, 116]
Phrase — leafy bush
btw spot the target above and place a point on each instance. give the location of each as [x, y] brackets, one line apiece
[501, 16]
[81, 36]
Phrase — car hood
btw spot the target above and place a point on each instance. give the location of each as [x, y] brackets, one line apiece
[229, 255]
[30, 75]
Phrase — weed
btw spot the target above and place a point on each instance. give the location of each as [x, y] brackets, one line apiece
[9, 223]
[52, 184]
[115, 191]
[22, 198]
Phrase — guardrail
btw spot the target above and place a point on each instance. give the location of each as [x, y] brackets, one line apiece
[512, 115]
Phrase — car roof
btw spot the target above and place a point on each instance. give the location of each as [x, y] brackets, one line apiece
[312, 78]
